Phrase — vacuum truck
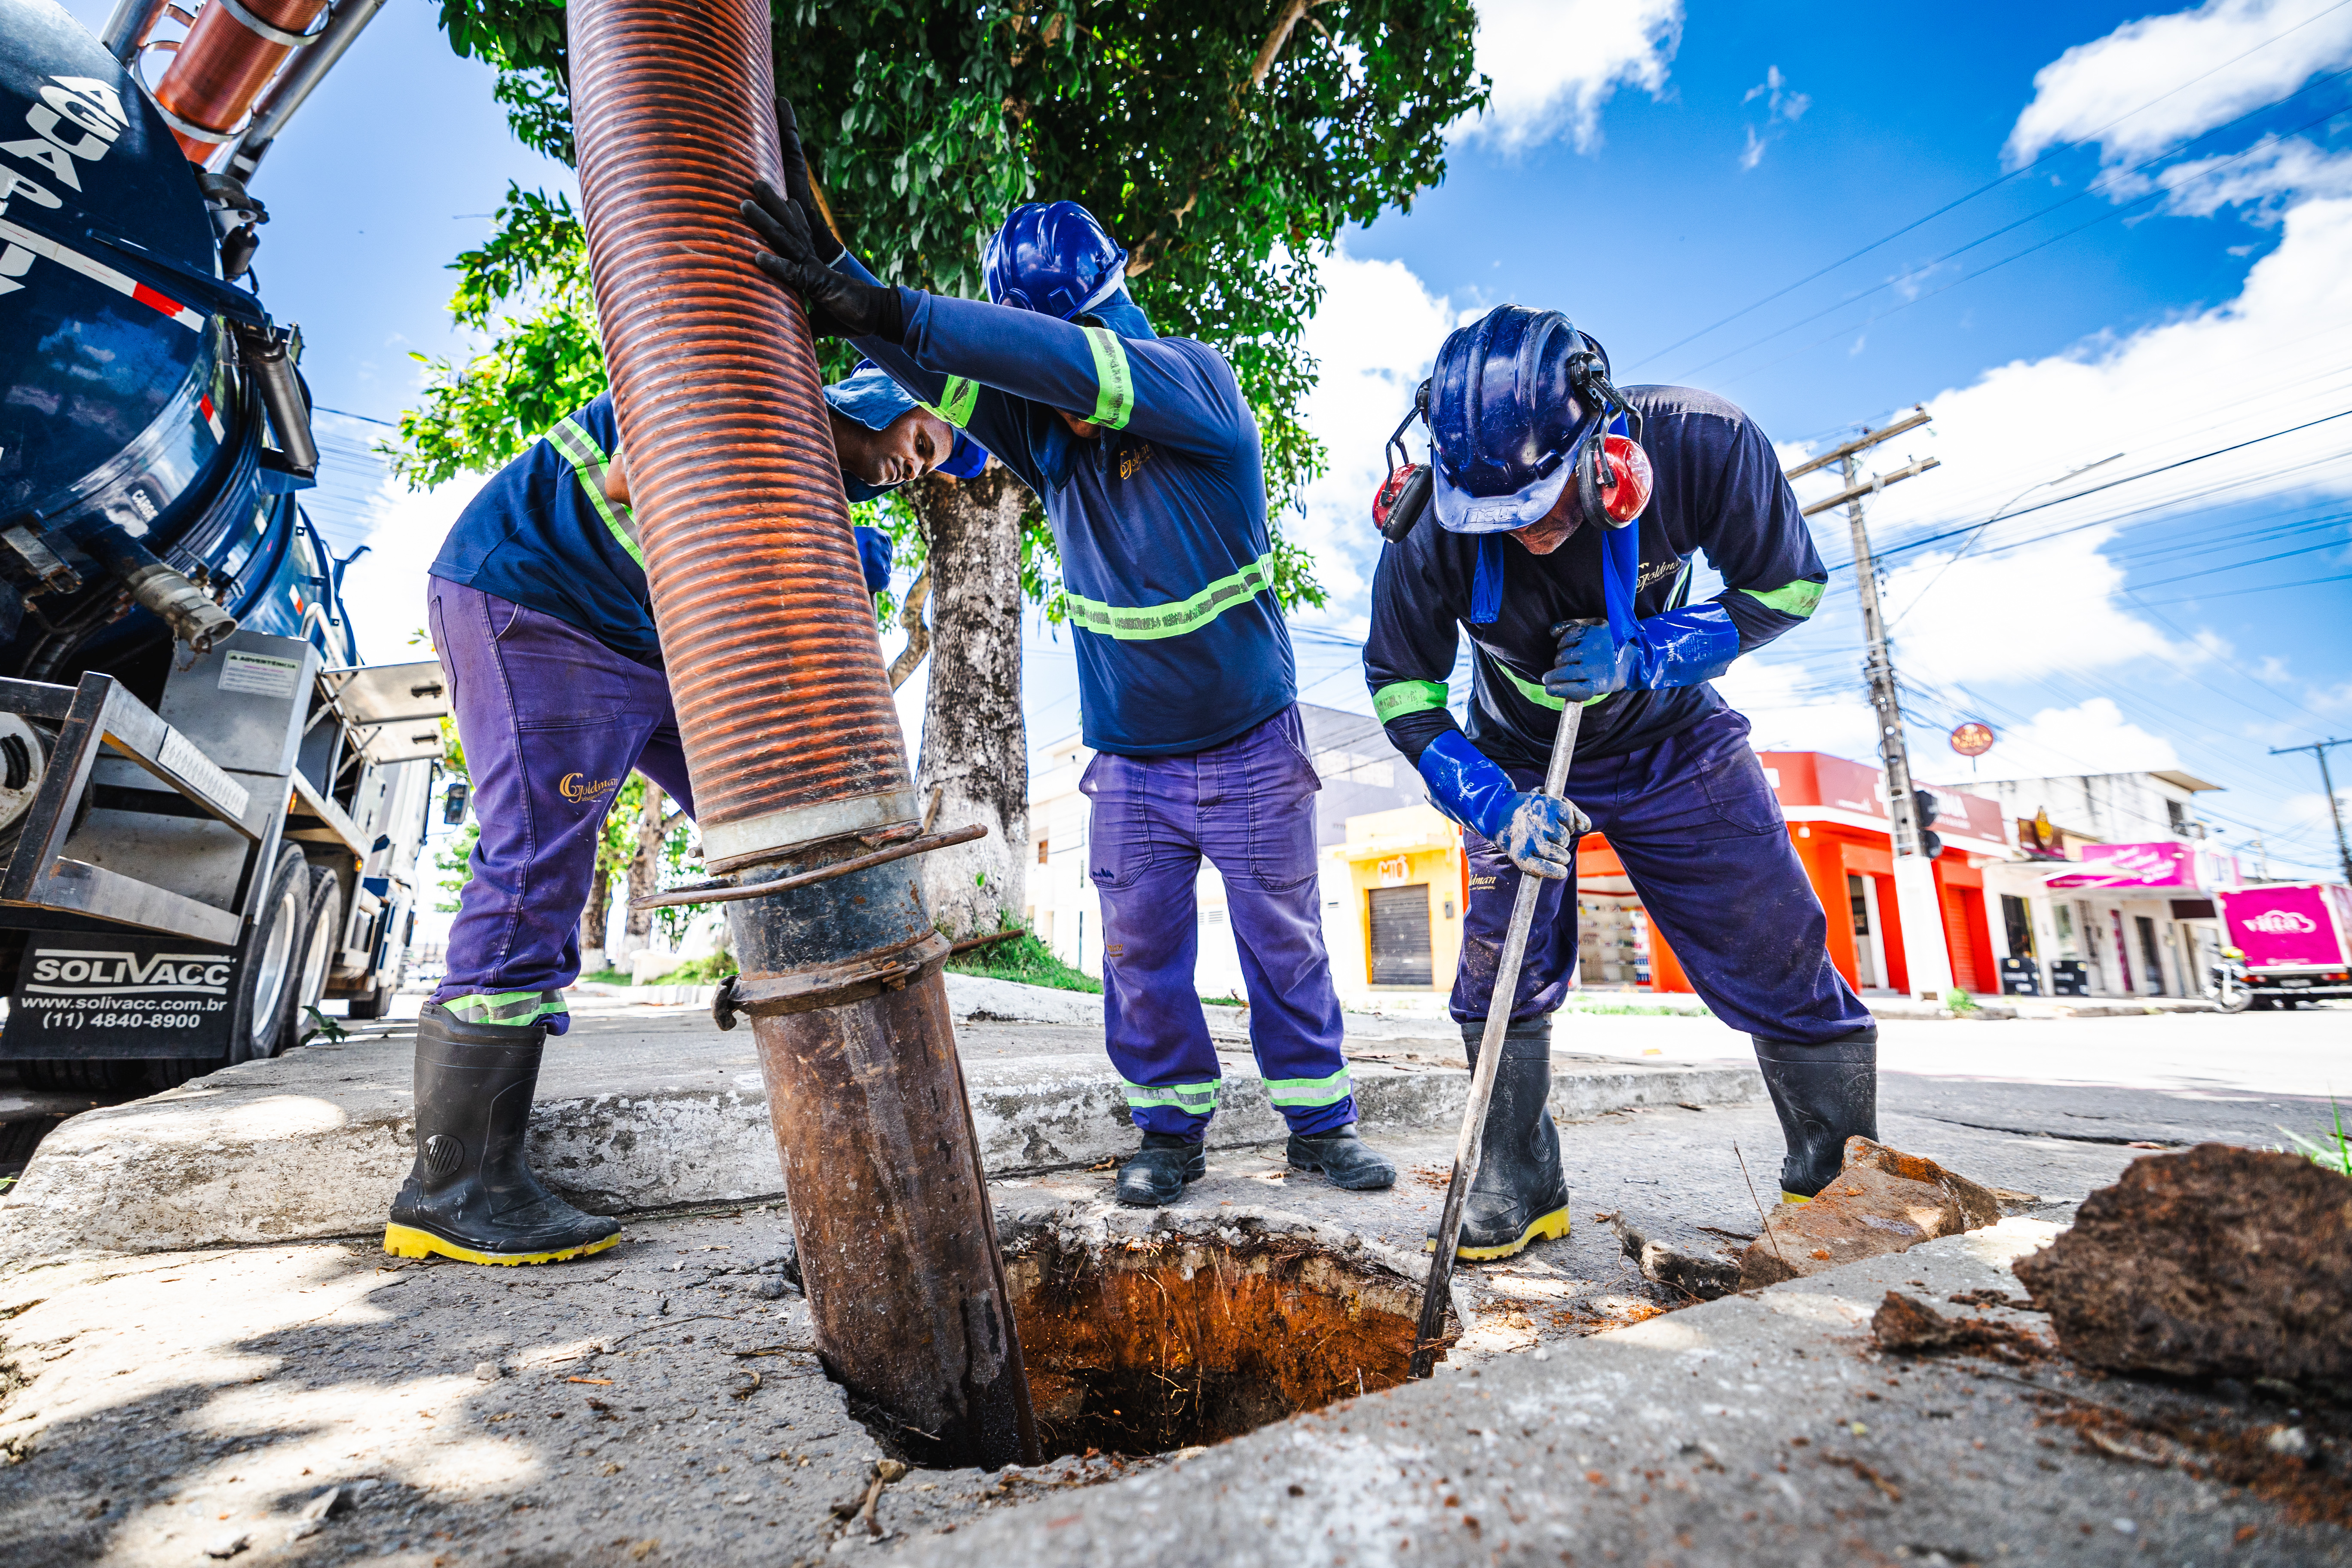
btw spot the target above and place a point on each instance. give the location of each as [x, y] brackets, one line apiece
[210, 809]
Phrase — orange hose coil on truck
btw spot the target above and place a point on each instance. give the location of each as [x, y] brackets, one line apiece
[221, 66]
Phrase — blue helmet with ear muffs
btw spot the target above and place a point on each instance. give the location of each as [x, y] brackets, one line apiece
[1512, 407]
[868, 397]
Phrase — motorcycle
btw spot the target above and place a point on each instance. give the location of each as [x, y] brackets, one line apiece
[2225, 982]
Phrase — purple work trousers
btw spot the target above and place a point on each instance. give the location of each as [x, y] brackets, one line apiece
[551, 721]
[1248, 806]
[1702, 837]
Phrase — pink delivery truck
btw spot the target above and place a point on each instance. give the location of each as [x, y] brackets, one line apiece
[2297, 936]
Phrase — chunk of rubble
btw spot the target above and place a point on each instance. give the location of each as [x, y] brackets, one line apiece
[2214, 1262]
[1697, 1261]
[1908, 1326]
[1883, 1200]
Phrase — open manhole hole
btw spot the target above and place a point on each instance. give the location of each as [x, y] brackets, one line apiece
[1199, 1328]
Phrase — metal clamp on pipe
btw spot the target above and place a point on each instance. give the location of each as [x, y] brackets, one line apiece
[721, 891]
[161, 590]
[830, 985]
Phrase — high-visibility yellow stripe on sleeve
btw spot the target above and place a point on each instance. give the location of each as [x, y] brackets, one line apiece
[1114, 381]
[1403, 696]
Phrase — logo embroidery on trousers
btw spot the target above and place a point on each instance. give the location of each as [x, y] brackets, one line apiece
[578, 786]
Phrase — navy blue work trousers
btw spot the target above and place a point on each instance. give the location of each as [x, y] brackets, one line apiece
[1249, 807]
[1703, 840]
[551, 721]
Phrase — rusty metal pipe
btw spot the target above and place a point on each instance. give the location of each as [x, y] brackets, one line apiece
[791, 734]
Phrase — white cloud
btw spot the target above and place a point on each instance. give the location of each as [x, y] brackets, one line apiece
[2265, 178]
[2093, 737]
[384, 589]
[2259, 358]
[1997, 618]
[1376, 335]
[1556, 63]
[2102, 90]
[1789, 711]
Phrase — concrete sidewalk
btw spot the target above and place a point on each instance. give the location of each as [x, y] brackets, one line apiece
[639, 1112]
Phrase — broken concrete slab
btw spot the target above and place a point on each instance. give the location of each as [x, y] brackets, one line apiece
[638, 1114]
[1883, 1200]
[1701, 1262]
[2216, 1262]
[1762, 1428]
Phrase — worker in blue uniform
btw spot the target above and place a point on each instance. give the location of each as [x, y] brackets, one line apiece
[1146, 459]
[1530, 451]
[541, 614]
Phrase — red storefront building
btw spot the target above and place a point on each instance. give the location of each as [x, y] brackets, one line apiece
[1836, 813]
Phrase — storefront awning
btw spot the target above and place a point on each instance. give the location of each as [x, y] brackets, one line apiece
[2151, 868]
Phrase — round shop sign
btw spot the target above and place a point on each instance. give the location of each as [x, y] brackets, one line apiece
[1973, 739]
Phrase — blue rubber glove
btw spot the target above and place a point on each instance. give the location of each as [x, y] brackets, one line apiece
[874, 555]
[1539, 832]
[1681, 647]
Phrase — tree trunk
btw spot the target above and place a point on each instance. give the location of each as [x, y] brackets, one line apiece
[645, 867]
[594, 919]
[975, 738]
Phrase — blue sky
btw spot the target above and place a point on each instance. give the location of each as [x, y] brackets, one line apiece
[1650, 167]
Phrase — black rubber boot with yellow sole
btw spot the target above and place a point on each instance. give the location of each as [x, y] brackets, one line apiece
[1521, 1194]
[472, 1194]
[1825, 1095]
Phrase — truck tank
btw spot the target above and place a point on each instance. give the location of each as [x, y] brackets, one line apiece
[194, 765]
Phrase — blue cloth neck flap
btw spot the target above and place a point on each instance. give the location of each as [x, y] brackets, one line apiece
[1621, 571]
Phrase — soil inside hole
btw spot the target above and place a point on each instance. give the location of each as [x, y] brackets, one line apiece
[1149, 1344]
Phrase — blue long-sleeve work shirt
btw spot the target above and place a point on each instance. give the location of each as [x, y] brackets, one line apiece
[1719, 488]
[541, 534]
[1160, 521]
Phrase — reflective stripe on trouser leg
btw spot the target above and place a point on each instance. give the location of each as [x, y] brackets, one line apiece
[506, 1008]
[1256, 824]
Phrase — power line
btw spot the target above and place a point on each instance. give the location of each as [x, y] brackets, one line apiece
[1994, 185]
[2272, 588]
[2128, 479]
[2095, 188]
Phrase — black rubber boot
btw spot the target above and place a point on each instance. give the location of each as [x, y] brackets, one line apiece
[1345, 1160]
[1825, 1095]
[1156, 1173]
[471, 1194]
[1521, 1194]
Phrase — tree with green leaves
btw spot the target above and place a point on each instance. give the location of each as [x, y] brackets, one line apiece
[1226, 145]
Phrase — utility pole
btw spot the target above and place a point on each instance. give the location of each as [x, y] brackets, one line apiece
[2319, 749]
[1926, 959]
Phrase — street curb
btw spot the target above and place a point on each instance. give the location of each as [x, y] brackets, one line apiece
[313, 1144]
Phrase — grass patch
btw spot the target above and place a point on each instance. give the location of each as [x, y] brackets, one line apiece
[1025, 959]
[1632, 1009]
[609, 977]
[708, 970]
[2333, 1149]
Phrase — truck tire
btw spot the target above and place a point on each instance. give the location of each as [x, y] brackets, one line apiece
[270, 977]
[376, 1003]
[322, 933]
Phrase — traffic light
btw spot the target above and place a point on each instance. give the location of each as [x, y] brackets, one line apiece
[1930, 844]
[1924, 802]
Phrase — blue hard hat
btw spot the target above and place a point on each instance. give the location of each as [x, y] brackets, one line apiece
[868, 397]
[1053, 258]
[1505, 423]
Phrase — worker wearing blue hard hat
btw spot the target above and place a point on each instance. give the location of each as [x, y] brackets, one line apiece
[1145, 456]
[540, 613]
[1567, 517]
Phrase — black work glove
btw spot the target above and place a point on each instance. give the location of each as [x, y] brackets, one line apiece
[829, 245]
[838, 306]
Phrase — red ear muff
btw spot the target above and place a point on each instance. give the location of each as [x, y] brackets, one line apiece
[1625, 479]
[1401, 502]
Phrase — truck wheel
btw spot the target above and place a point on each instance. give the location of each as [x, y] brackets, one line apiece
[262, 1023]
[377, 1003]
[324, 931]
